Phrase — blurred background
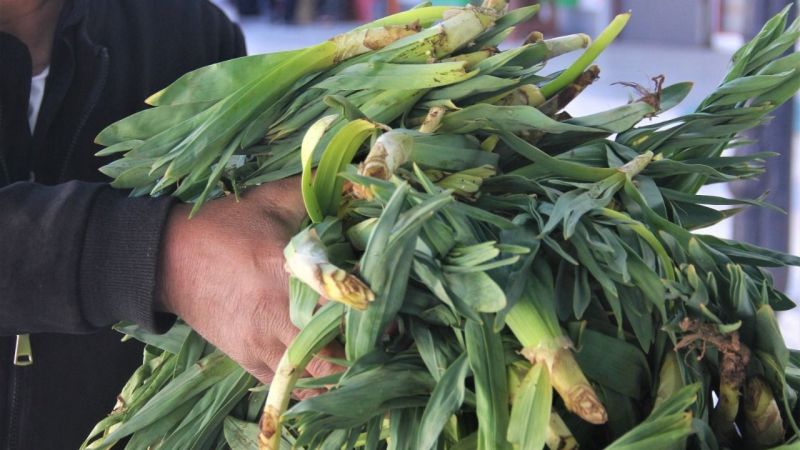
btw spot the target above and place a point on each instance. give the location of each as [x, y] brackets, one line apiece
[680, 39]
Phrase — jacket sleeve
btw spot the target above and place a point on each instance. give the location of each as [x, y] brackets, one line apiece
[232, 43]
[77, 257]
[221, 33]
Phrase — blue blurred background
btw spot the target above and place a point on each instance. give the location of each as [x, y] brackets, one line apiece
[681, 39]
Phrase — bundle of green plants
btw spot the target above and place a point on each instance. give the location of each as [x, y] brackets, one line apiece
[501, 274]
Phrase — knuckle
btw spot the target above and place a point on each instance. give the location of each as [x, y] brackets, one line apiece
[266, 352]
[263, 374]
[271, 320]
[319, 368]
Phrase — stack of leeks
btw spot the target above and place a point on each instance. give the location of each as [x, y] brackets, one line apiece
[539, 271]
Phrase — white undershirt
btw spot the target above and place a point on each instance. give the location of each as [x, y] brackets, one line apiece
[35, 99]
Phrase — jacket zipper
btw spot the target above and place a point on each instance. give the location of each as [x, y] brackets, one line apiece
[23, 354]
[23, 358]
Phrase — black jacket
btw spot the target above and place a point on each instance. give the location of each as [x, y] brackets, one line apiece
[77, 256]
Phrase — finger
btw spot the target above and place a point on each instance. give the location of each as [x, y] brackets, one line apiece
[286, 186]
[285, 332]
[284, 196]
[305, 394]
[267, 357]
[319, 367]
[276, 310]
[263, 373]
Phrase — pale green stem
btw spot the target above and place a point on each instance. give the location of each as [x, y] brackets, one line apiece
[592, 52]
[320, 331]
[543, 343]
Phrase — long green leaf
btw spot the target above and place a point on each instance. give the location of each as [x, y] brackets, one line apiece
[310, 141]
[485, 351]
[379, 75]
[216, 81]
[338, 153]
[446, 399]
[530, 414]
[199, 377]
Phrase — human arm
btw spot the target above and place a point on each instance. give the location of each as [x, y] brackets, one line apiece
[224, 274]
[77, 257]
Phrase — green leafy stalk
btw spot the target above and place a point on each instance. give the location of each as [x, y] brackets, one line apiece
[602, 41]
[311, 339]
[763, 422]
[534, 323]
[307, 260]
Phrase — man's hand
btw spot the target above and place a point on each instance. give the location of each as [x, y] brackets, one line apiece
[223, 273]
